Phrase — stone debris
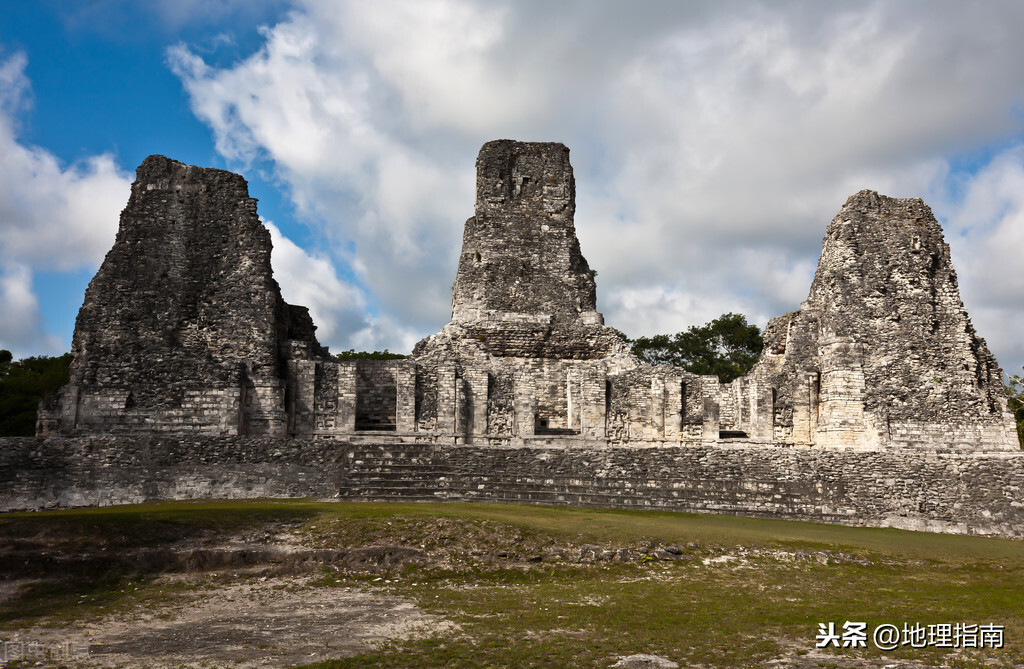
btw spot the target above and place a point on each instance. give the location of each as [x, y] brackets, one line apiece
[645, 661]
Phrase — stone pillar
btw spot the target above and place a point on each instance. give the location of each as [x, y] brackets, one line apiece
[573, 397]
[476, 396]
[405, 402]
[525, 405]
[69, 409]
[656, 409]
[840, 415]
[446, 400]
[805, 409]
[673, 409]
[346, 421]
[592, 404]
[302, 388]
[762, 412]
[710, 397]
[264, 407]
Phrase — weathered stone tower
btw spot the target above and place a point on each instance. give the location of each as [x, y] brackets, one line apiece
[524, 302]
[183, 328]
[883, 352]
[523, 288]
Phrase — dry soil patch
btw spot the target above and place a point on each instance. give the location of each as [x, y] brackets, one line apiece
[276, 622]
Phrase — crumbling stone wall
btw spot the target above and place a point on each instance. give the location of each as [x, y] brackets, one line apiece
[945, 491]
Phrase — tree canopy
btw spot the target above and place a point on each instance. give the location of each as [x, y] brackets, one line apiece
[727, 347]
[352, 354]
[22, 384]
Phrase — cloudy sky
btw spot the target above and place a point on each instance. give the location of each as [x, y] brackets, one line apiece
[712, 143]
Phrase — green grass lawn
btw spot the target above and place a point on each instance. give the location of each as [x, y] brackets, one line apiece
[743, 591]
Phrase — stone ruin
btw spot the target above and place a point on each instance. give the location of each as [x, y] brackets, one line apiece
[184, 331]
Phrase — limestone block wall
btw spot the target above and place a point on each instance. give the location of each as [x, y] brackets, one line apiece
[944, 490]
[93, 410]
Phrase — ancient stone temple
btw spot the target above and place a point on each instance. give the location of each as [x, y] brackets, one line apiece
[184, 330]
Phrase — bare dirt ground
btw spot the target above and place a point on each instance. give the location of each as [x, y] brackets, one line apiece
[270, 622]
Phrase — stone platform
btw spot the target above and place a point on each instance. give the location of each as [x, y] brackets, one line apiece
[942, 490]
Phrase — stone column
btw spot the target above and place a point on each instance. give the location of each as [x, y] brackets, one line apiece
[573, 397]
[525, 404]
[710, 397]
[69, 409]
[446, 400]
[476, 396]
[592, 404]
[302, 388]
[405, 402]
[656, 412]
[762, 412]
[673, 409]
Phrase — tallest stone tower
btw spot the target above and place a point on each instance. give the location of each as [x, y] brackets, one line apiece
[523, 288]
[520, 254]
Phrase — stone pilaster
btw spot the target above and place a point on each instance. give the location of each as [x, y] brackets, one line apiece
[710, 397]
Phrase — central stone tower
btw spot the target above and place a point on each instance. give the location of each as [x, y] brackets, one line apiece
[524, 305]
[523, 288]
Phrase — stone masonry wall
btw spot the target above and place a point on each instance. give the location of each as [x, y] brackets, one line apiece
[946, 491]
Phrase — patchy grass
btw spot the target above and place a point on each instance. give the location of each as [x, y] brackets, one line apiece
[557, 586]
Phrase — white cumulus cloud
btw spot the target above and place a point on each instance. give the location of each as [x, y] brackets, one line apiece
[712, 141]
[53, 217]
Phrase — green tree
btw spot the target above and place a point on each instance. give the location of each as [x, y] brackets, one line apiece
[352, 354]
[727, 347]
[22, 384]
[1015, 397]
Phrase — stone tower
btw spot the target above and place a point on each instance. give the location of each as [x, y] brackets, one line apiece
[523, 288]
[883, 352]
[525, 325]
[183, 328]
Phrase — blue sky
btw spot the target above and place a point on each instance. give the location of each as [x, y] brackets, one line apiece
[712, 144]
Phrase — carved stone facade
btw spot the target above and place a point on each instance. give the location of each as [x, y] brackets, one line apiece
[184, 330]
